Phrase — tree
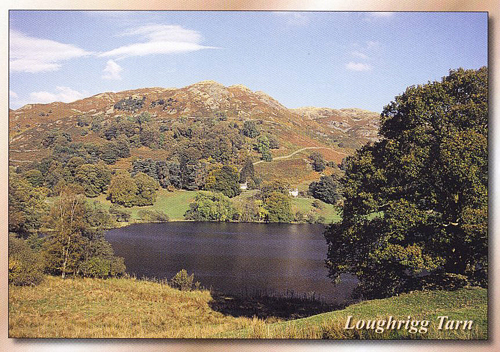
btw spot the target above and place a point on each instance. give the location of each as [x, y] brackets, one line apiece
[120, 214]
[154, 168]
[25, 265]
[275, 186]
[26, 205]
[54, 175]
[174, 174]
[152, 215]
[415, 209]
[122, 189]
[250, 129]
[122, 146]
[34, 177]
[326, 189]
[247, 172]
[318, 163]
[224, 180]
[279, 207]
[93, 178]
[130, 191]
[75, 243]
[73, 164]
[262, 146]
[208, 206]
[146, 189]
[273, 141]
[66, 220]
[188, 166]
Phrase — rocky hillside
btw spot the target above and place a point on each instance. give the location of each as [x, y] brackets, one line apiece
[350, 126]
[336, 132]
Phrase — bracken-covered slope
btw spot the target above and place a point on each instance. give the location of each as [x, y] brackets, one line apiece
[335, 133]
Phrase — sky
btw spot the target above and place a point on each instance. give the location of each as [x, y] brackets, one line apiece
[323, 59]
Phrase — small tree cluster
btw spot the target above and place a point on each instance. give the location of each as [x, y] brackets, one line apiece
[75, 244]
[326, 189]
[225, 180]
[318, 162]
[208, 206]
[130, 191]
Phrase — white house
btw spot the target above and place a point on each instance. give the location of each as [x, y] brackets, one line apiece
[244, 186]
[293, 192]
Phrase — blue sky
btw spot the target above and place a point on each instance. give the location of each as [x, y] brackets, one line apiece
[324, 59]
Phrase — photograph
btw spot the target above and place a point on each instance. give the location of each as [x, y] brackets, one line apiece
[247, 175]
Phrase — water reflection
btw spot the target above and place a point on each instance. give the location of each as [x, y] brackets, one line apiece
[233, 257]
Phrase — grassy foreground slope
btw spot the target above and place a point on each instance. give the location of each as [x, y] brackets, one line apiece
[96, 308]
[461, 305]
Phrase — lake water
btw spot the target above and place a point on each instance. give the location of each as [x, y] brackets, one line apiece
[235, 258]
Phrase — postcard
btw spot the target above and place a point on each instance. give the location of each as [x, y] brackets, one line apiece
[248, 175]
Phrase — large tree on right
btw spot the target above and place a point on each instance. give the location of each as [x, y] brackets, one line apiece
[416, 201]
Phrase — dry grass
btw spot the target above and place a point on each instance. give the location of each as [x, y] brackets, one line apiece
[292, 171]
[95, 308]
[114, 308]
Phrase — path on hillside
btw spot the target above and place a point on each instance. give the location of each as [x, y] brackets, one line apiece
[296, 152]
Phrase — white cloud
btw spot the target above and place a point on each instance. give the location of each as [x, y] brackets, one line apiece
[13, 94]
[159, 39]
[358, 66]
[368, 51]
[63, 94]
[372, 44]
[112, 71]
[30, 54]
[359, 54]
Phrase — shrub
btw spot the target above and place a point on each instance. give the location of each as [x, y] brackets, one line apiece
[103, 267]
[120, 214]
[317, 204]
[25, 265]
[184, 282]
[152, 216]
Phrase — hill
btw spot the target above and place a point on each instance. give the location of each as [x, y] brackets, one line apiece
[174, 112]
[97, 308]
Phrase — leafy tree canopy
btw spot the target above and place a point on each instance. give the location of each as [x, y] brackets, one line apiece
[130, 191]
[318, 162]
[225, 180]
[250, 129]
[27, 205]
[75, 243]
[209, 206]
[279, 207]
[326, 189]
[416, 201]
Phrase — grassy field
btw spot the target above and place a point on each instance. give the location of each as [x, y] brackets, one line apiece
[304, 205]
[174, 204]
[96, 308]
